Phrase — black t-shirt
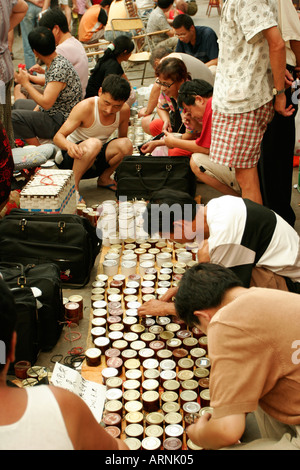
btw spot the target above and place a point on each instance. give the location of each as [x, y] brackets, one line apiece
[102, 69]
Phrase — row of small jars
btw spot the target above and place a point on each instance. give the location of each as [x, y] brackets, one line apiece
[153, 284]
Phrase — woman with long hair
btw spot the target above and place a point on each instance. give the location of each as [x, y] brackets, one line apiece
[171, 73]
[117, 52]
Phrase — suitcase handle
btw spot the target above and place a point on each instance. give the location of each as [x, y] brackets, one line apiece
[139, 169]
[21, 278]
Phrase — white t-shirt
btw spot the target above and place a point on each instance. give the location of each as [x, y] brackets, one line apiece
[243, 234]
[244, 79]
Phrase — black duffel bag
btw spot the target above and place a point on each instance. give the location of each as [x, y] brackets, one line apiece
[67, 240]
[27, 347]
[138, 177]
[50, 310]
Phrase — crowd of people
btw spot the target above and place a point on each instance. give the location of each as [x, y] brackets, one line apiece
[227, 102]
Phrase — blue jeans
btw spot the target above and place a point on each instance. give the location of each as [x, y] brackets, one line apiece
[29, 22]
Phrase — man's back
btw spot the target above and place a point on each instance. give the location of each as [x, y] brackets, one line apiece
[244, 234]
[157, 22]
[41, 426]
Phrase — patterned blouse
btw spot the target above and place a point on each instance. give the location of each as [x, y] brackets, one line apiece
[61, 70]
[244, 79]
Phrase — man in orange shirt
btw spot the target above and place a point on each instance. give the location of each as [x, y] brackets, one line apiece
[91, 26]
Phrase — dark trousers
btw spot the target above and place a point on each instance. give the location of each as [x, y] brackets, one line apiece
[28, 124]
[275, 166]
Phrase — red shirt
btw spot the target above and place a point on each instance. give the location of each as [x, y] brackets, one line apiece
[205, 136]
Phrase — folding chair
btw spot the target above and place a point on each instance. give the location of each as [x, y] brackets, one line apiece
[133, 11]
[94, 51]
[213, 4]
[142, 39]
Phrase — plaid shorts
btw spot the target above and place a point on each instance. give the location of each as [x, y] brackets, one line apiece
[236, 138]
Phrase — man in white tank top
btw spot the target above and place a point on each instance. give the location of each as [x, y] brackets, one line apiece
[84, 136]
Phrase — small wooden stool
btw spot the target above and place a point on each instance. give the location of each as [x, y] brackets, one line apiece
[213, 4]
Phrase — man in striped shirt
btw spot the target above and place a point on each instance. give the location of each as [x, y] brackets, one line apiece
[250, 239]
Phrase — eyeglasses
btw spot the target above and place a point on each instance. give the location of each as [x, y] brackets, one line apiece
[164, 84]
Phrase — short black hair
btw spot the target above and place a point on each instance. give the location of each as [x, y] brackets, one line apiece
[105, 3]
[190, 89]
[8, 316]
[54, 17]
[118, 87]
[166, 207]
[201, 287]
[164, 3]
[41, 40]
[183, 20]
[123, 44]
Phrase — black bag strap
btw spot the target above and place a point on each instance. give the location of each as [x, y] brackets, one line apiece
[138, 166]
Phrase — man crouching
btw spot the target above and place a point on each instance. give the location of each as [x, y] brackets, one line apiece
[84, 137]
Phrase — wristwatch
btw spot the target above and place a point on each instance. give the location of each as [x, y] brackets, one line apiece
[278, 92]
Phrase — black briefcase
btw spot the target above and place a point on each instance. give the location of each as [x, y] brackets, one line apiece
[67, 240]
[138, 176]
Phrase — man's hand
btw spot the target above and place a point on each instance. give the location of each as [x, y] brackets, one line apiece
[167, 126]
[150, 146]
[212, 433]
[170, 140]
[36, 68]
[22, 77]
[168, 296]
[280, 106]
[156, 308]
[289, 79]
[74, 151]
[195, 430]
[142, 112]
[162, 307]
